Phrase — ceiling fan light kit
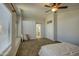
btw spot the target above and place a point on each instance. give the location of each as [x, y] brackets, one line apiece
[55, 7]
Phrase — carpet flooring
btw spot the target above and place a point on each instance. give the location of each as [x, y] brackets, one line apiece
[32, 47]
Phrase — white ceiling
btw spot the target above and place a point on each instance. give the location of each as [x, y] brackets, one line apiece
[37, 10]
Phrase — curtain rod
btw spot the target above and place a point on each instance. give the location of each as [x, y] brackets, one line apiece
[13, 8]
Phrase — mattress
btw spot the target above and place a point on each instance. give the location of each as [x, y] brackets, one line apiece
[59, 49]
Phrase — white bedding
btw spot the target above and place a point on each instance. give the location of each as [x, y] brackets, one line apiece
[59, 49]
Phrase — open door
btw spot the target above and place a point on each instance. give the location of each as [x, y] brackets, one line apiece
[38, 31]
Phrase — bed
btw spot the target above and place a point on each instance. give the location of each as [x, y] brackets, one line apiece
[59, 49]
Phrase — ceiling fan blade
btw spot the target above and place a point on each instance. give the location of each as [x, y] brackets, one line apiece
[47, 6]
[58, 3]
[48, 10]
[63, 7]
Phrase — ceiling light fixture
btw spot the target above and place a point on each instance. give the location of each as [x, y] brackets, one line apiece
[54, 9]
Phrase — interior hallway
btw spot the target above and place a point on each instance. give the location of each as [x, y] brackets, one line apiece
[31, 47]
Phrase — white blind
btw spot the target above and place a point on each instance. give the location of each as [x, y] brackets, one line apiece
[5, 20]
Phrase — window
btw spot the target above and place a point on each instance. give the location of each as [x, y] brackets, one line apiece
[5, 23]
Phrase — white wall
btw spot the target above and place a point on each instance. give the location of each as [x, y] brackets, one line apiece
[49, 28]
[32, 28]
[68, 26]
[19, 26]
[29, 28]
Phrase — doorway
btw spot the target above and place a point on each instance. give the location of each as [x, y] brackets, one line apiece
[38, 31]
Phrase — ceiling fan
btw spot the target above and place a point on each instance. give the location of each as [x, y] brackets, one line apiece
[55, 7]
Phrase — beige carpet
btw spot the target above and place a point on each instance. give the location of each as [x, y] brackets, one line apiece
[32, 47]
